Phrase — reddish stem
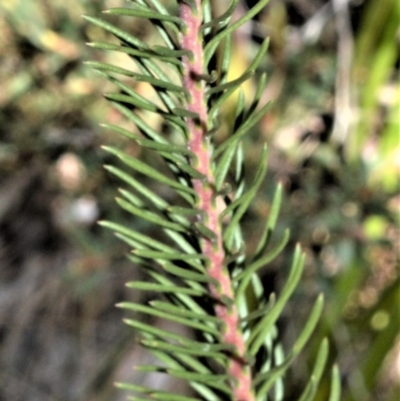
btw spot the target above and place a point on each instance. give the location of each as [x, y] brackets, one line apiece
[199, 144]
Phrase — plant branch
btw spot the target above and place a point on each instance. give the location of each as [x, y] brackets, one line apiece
[213, 248]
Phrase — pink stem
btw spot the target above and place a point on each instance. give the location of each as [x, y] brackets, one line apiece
[199, 144]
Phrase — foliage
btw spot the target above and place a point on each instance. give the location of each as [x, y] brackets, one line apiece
[206, 275]
[61, 275]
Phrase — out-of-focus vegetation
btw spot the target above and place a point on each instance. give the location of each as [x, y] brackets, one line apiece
[330, 69]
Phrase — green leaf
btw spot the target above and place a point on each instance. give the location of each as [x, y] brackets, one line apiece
[212, 380]
[151, 15]
[335, 385]
[185, 113]
[171, 397]
[138, 236]
[262, 51]
[230, 85]
[225, 62]
[168, 148]
[150, 216]
[143, 126]
[136, 54]
[188, 275]
[271, 222]
[262, 311]
[154, 312]
[162, 279]
[188, 169]
[133, 387]
[262, 166]
[170, 256]
[159, 83]
[185, 211]
[122, 131]
[244, 277]
[223, 165]
[196, 351]
[119, 33]
[224, 18]
[133, 97]
[241, 205]
[158, 6]
[120, 98]
[139, 187]
[152, 68]
[179, 311]
[191, 3]
[164, 51]
[182, 241]
[204, 231]
[158, 395]
[258, 334]
[310, 325]
[154, 330]
[161, 257]
[160, 288]
[198, 377]
[310, 391]
[250, 122]
[145, 169]
[216, 40]
[261, 85]
[239, 111]
[181, 360]
[267, 380]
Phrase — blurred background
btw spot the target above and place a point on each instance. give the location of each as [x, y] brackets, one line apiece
[333, 135]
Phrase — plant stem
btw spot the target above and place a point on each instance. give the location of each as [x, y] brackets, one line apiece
[213, 248]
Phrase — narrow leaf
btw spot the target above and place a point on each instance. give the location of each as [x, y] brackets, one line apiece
[137, 236]
[222, 19]
[223, 165]
[310, 325]
[117, 32]
[154, 330]
[335, 385]
[145, 191]
[179, 311]
[159, 288]
[150, 216]
[160, 83]
[216, 40]
[136, 54]
[199, 352]
[188, 275]
[145, 169]
[245, 277]
[154, 312]
[246, 200]
[257, 336]
[243, 129]
[231, 84]
[151, 15]
[271, 222]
